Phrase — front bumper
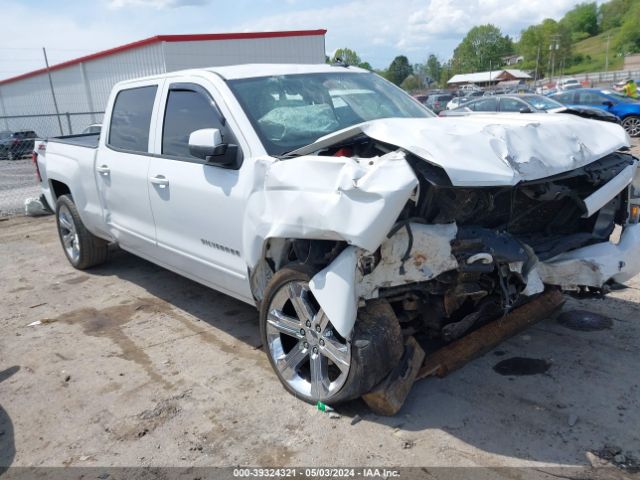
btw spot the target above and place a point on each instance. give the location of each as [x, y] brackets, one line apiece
[595, 265]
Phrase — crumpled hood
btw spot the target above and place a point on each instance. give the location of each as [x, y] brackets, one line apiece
[493, 150]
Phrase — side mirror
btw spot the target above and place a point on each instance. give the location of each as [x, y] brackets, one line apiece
[207, 145]
[206, 142]
[526, 110]
[608, 103]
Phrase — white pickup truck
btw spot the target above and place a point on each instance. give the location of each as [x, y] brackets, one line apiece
[345, 211]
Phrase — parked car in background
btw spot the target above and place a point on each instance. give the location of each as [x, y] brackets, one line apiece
[93, 128]
[438, 103]
[528, 103]
[625, 108]
[467, 89]
[568, 84]
[421, 98]
[17, 144]
[456, 102]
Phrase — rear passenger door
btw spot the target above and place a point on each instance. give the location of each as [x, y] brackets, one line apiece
[198, 207]
[121, 168]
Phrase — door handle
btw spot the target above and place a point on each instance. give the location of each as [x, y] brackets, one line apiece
[103, 170]
[159, 180]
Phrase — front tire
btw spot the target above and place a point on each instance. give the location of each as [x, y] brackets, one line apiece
[81, 247]
[312, 361]
[632, 125]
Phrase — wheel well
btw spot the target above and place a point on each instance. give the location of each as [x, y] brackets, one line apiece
[280, 252]
[59, 189]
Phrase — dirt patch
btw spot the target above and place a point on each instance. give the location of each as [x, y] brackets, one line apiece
[76, 280]
[109, 322]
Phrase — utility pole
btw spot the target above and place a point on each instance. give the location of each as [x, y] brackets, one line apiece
[490, 71]
[606, 57]
[53, 94]
[555, 45]
[535, 75]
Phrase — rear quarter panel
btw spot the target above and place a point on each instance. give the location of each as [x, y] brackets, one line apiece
[73, 165]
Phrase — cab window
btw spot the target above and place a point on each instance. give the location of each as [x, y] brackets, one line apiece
[131, 119]
[187, 111]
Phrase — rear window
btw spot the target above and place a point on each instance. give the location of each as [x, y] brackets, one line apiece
[131, 119]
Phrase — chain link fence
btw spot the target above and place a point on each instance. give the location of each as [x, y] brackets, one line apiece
[18, 134]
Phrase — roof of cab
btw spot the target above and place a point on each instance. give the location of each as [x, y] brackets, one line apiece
[252, 70]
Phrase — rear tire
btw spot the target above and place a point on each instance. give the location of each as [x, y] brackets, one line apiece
[82, 248]
[297, 351]
[632, 125]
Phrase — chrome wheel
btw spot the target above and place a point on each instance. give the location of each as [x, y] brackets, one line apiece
[307, 352]
[632, 126]
[68, 234]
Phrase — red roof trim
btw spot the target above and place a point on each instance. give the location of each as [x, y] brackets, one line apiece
[168, 38]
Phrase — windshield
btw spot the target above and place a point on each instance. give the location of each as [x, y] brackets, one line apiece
[291, 111]
[619, 98]
[543, 103]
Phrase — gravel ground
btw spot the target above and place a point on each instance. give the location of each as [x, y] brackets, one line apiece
[131, 365]
[17, 183]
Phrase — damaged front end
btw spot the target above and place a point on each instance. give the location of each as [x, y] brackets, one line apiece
[458, 256]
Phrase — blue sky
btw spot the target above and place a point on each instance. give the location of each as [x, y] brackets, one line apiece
[377, 29]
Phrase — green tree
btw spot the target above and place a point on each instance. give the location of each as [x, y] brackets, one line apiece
[612, 13]
[549, 41]
[350, 57]
[411, 83]
[481, 49]
[399, 70]
[582, 19]
[346, 55]
[628, 39]
[433, 67]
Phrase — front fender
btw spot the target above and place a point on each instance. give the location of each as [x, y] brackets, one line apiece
[326, 198]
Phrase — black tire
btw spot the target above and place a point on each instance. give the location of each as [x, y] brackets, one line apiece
[631, 124]
[376, 345]
[91, 250]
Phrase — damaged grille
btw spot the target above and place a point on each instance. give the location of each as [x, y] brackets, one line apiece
[545, 214]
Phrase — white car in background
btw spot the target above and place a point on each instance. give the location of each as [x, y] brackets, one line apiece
[568, 84]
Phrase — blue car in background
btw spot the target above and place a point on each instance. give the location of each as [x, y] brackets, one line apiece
[627, 109]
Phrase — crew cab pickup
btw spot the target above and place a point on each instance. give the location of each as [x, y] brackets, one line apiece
[344, 210]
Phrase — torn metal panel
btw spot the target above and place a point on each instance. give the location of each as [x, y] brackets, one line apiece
[603, 195]
[339, 287]
[485, 150]
[430, 256]
[327, 198]
[334, 288]
[594, 265]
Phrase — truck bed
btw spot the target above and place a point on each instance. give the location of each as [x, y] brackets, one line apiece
[89, 140]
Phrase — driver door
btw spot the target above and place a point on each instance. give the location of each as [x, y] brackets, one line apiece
[197, 207]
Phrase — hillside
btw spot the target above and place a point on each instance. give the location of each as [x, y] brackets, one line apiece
[594, 50]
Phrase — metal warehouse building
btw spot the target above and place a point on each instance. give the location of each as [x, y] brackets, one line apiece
[81, 87]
